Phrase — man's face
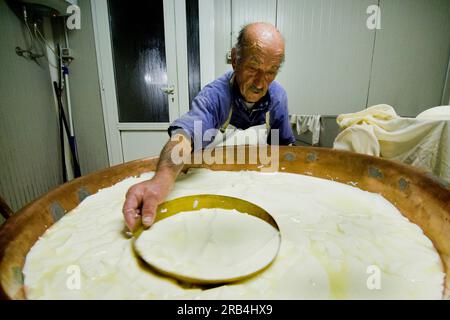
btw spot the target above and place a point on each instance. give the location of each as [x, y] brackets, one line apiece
[256, 69]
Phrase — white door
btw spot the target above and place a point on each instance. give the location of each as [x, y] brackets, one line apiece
[142, 57]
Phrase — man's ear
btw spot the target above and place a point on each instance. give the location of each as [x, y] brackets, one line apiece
[234, 58]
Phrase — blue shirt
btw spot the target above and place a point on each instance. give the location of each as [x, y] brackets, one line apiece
[212, 107]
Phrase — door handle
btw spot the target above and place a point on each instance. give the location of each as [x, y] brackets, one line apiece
[168, 90]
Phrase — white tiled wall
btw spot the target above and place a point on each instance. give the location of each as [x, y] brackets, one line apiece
[335, 64]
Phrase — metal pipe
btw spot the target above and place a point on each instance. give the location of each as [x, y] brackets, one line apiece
[67, 87]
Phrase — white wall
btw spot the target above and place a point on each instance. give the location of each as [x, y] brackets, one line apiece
[222, 31]
[335, 64]
[411, 55]
[85, 92]
[29, 136]
[247, 11]
[30, 163]
[328, 55]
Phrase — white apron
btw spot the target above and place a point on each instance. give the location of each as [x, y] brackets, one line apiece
[229, 135]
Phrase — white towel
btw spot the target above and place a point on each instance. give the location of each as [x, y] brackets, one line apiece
[304, 123]
[379, 131]
[371, 115]
[436, 113]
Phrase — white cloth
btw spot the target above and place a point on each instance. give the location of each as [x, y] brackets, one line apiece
[305, 123]
[436, 113]
[379, 131]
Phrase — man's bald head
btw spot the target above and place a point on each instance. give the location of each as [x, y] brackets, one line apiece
[256, 59]
[260, 36]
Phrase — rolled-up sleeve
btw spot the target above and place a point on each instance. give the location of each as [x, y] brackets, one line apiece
[201, 117]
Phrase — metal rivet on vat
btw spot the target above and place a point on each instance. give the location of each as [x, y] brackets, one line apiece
[375, 172]
[311, 157]
[289, 157]
[57, 211]
[18, 276]
[403, 184]
[83, 193]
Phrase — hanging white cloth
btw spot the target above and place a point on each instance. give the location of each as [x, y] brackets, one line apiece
[305, 123]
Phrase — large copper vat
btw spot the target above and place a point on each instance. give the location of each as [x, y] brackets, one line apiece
[418, 196]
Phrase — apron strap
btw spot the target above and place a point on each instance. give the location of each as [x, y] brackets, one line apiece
[268, 121]
[227, 122]
[225, 125]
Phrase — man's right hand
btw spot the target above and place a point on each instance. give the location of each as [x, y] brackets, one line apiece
[143, 199]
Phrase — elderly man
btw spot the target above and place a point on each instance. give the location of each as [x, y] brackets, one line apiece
[239, 101]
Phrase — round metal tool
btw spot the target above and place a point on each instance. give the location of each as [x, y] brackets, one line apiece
[209, 201]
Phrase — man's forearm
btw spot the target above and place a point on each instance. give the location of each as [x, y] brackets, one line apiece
[169, 168]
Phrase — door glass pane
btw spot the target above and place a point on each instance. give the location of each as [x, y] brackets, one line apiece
[193, 48]
[138, 45]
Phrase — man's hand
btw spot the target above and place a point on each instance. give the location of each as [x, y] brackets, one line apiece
[142, 201]
[143, 198]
